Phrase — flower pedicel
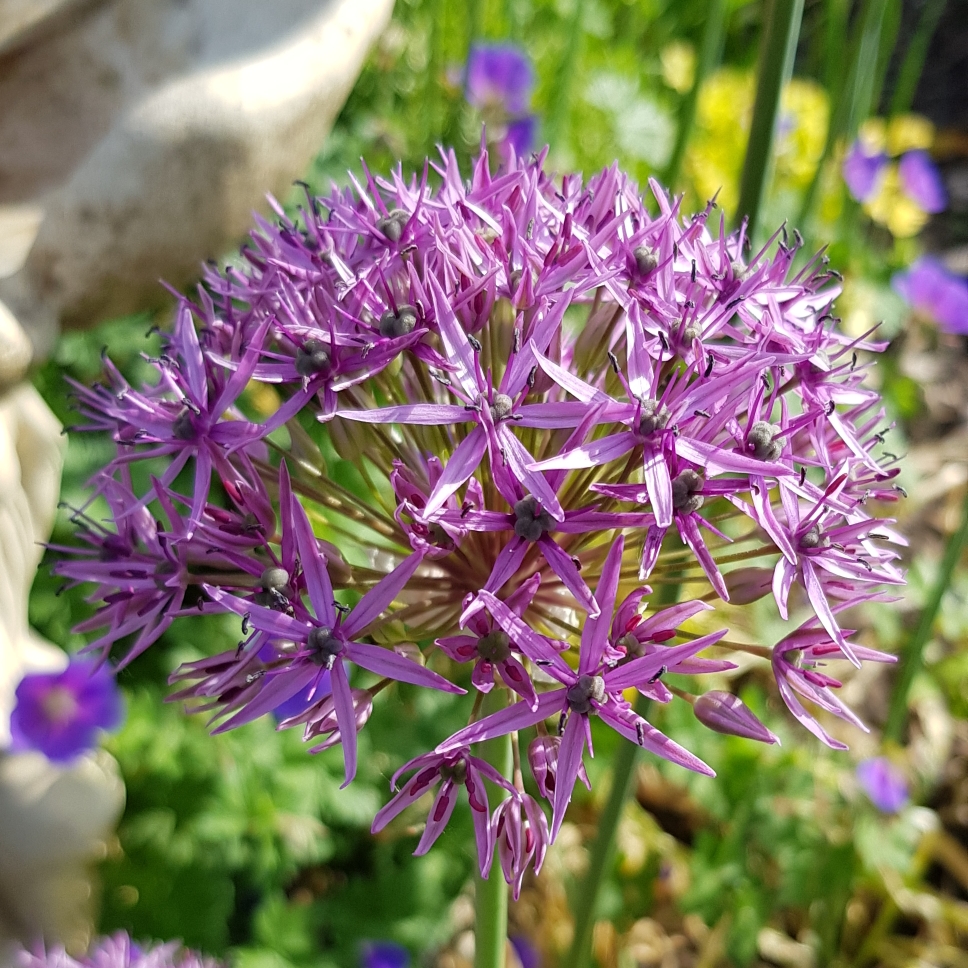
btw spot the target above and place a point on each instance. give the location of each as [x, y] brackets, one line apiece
[548, 395]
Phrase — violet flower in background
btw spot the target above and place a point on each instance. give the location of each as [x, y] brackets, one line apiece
[884, 783]
[499, 83]
[931, 289]
[384, 954]
[922, 181]
[59, 714]
[862, 171]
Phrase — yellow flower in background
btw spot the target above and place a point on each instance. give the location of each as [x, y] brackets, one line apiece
[723, 116]
[678, 60]
[908, 132]
[893, 207]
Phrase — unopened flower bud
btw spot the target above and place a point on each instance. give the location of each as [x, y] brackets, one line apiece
[726, 713]
[747, 585]
[543, 759]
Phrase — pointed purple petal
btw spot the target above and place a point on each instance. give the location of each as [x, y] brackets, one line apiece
[518, 716]
[391, 665]
[569, 762]
[428, 414]
[465, 459]
[369, 608]
[594, 636]
[592, 454]
[658, 483]
[345, 717]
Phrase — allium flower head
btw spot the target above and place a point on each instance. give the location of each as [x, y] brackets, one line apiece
[116, 951]
[499, 81]
[60, 714]
[550, 395]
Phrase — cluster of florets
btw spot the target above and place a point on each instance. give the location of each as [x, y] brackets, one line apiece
[548, 396]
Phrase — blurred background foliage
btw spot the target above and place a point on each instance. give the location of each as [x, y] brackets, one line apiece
[244, 844]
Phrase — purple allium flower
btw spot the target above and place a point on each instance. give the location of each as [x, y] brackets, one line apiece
[116, 951]
[499, 74]
[922, 181]
[454, 768]
[862, 171]
[463, 389]
[521, 832]
[60, 713]
[930, 288]
[383, 954]
[884, 783]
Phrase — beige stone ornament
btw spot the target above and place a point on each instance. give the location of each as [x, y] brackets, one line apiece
[145, 132]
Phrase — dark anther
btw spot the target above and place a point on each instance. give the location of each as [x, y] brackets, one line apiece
[532, 377]
[803, 475]
[640, 733]
[798, 237]
[588, 689]
[613, 359]
[324, 647]
[576, 561]
[853, 360]
[400, 323]
[245, 624]
[662, 671]
[829, 408]
[392, 225]
[475, 343]
[900, 490]
[495, 646]
[254, 676]
[760, 442]
[312, 358]
[530, 231]
[692, 274]
[517, 340]
[701, 413]
[654, 418]
[561, 722]
[501, 407]
[709, 366]
[685, 491]
[663, 341]
[646, 259]
[733, 303]
[530, 521]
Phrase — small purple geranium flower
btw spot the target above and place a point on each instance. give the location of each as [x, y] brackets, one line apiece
[499, 74]
[884, 783]
[922, 181]
[59, 713]
[499, 82]
[384, 954]
[862, 171]
[930, 288]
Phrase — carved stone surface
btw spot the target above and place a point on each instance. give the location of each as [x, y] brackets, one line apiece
[54, 820]
[148, 130]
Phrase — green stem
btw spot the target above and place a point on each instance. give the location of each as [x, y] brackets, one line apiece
[912, 657]
[710, 54]
[852, 102]
[491, 895]
[917, 52]
[623, 772]
[557, 123]
[778, 47]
